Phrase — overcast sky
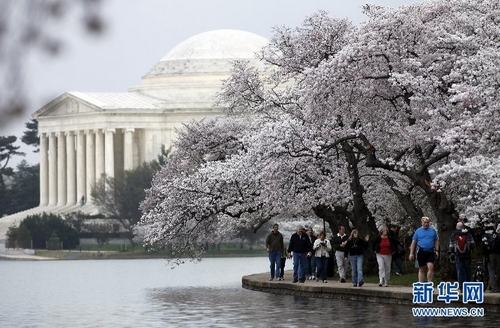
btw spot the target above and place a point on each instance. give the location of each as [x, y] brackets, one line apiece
[140, 32]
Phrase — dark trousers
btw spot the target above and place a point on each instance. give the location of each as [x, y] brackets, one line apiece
[322, 266]
[397, 263]
[463, 270]
[283, 262]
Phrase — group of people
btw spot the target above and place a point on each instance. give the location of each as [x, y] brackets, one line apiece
[301, 248]
[311, 254]
[424, 250]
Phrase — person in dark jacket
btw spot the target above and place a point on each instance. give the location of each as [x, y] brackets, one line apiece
[311, 261]
[491, 244]
[274, 247]
[300, 248]
[283, 263]
[462, 251]
[338, 243]
[355, 248]
[400, 252]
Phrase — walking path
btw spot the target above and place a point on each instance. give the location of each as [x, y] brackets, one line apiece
[370, 292]
[24, 257]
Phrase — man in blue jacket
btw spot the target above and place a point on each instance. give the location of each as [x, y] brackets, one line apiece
[300, 247]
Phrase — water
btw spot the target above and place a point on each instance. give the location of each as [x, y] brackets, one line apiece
[147, 293]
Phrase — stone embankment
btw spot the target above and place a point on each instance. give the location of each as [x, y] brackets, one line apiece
[368, 293]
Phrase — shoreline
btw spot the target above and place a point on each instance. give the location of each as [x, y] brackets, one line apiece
[370, 292]
[34, 255]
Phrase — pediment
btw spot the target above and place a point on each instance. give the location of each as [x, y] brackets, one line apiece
[66, 104]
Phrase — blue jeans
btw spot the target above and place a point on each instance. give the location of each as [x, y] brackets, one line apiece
[463, 270]
[322, 263]
[311, 266]
[356, 268]
[299, 266]
[275, 259]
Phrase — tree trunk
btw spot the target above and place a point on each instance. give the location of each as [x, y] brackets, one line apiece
[442, 208]
[413, 210]
[334, 218]
[362, 218]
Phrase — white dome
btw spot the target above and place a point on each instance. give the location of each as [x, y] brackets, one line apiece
[218, 44]
[191, 73]
[209, 52]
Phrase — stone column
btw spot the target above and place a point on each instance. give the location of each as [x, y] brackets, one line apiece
[44, 173]
[128, 150]
[52, 170]
[99, 154]
[90, 163]
[80, 166]
[109, 153]
[61, 169]
[71, 168]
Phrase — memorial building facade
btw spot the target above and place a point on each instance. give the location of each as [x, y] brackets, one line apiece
[84, 135]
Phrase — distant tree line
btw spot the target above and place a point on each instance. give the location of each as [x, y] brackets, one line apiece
[19, 188]
[35, 231]
[51, 231]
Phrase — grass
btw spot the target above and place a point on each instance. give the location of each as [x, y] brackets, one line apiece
[406, 279]
[139, 252]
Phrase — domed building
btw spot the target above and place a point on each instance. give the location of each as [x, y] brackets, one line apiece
[86, 134]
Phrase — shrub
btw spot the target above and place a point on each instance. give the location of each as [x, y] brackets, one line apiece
[41, 227]
[23, 237]
[53, 242]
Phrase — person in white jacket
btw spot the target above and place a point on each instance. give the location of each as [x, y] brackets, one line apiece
[322, 249]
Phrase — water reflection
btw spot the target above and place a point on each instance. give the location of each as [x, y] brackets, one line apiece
[146, 293]
[234, 307]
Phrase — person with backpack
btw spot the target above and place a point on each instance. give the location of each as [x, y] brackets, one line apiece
[461, 247]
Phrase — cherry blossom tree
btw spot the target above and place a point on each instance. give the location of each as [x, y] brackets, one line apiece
[345, 122]
[238, 173]
[429, 69]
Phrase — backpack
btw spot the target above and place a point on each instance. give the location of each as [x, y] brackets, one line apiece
[461, 241]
